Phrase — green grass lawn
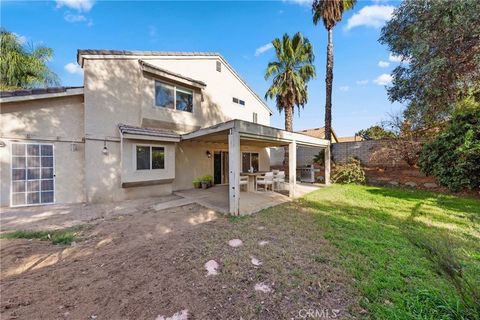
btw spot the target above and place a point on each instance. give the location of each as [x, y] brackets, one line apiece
[62, 236]
[399, 246]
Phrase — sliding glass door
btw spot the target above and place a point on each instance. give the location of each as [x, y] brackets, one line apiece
[33, 177]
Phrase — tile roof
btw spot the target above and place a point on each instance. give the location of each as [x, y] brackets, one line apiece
[149, 65]
[27, 92]
[154, 132]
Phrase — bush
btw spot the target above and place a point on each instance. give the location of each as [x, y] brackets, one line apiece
[350, 172]
[453, 157]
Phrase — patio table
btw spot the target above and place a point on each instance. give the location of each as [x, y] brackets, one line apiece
[252, 177]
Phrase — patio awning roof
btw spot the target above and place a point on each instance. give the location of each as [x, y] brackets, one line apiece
[139, 133]
[257, 133]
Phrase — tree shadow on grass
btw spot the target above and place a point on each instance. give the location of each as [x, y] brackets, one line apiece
[468, 206]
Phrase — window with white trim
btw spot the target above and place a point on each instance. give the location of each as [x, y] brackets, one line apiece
[173, 97]
[32, 174]
[255, 117]
[149, 157]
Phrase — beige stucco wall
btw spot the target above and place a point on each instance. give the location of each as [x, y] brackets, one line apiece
[57, 121]
[192, 161]
[116, 91]
[131, 174]
[103, 176]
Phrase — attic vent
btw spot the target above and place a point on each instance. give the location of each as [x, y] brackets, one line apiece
[219, 66]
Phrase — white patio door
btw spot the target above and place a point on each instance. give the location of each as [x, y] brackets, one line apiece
[33, 175]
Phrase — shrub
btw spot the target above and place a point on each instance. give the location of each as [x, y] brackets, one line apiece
[453, 157]
[350, 172]
[440, 249]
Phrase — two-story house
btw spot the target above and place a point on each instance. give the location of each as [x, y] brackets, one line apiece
[144, 124]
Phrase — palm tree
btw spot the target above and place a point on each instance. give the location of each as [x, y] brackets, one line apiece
[330, 12]
[21, 67]
[291, 71]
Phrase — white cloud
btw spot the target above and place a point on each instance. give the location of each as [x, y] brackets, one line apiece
[263, 49]
[79, 5]
[21, 39]
[344, 88]
[395, 58]
[72, 18]
[383, 64]
[370, 16]
[383, 79]
[73, 68]
[362, 82]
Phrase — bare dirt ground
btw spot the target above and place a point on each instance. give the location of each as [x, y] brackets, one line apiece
[149, 264]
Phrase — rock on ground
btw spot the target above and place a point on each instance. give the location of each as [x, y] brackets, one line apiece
[262, 287]
[255, 261]
[181, 315]
[212, 267]
[235, 243]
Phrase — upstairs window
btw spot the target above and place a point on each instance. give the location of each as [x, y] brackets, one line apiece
[219, 66]
[255, 117]
[150, 157]
[173, 97]
[238, 101]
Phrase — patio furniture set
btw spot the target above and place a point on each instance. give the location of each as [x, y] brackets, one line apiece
[273, 180]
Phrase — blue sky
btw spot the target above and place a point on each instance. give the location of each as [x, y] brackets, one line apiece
[240, 31]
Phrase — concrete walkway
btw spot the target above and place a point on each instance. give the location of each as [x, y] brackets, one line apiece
[67, 215]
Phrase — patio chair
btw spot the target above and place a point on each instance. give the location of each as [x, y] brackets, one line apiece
[279, 179]
[265, 181]
[243, 182]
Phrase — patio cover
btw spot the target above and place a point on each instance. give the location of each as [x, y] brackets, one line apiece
[235, 131]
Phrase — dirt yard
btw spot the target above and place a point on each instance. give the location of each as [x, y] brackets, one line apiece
[151, 265]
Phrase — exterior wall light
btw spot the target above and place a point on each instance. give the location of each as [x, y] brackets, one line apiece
[105, 149]
[209, 154]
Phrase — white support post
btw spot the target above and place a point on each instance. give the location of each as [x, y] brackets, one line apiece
[234, 172]
[292, 168]
[327, 165]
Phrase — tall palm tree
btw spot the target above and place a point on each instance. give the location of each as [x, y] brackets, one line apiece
[330, 12]
[22, 67]
[291, 71]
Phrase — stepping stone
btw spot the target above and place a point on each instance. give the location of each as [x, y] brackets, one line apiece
[235, 243]
[255, 261]
[430, 185]
[410, 184]
[261, 228]
[181, 315]
[262, 243]
[262, 287]
[212, 267]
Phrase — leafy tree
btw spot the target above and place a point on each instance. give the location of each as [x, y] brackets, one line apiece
[453, 157]
[439, 42]
[21, 67]
[330, 12]
[291, 71]
[375, 132]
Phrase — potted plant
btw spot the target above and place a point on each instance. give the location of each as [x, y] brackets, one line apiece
[207, 181]
[197, 183]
